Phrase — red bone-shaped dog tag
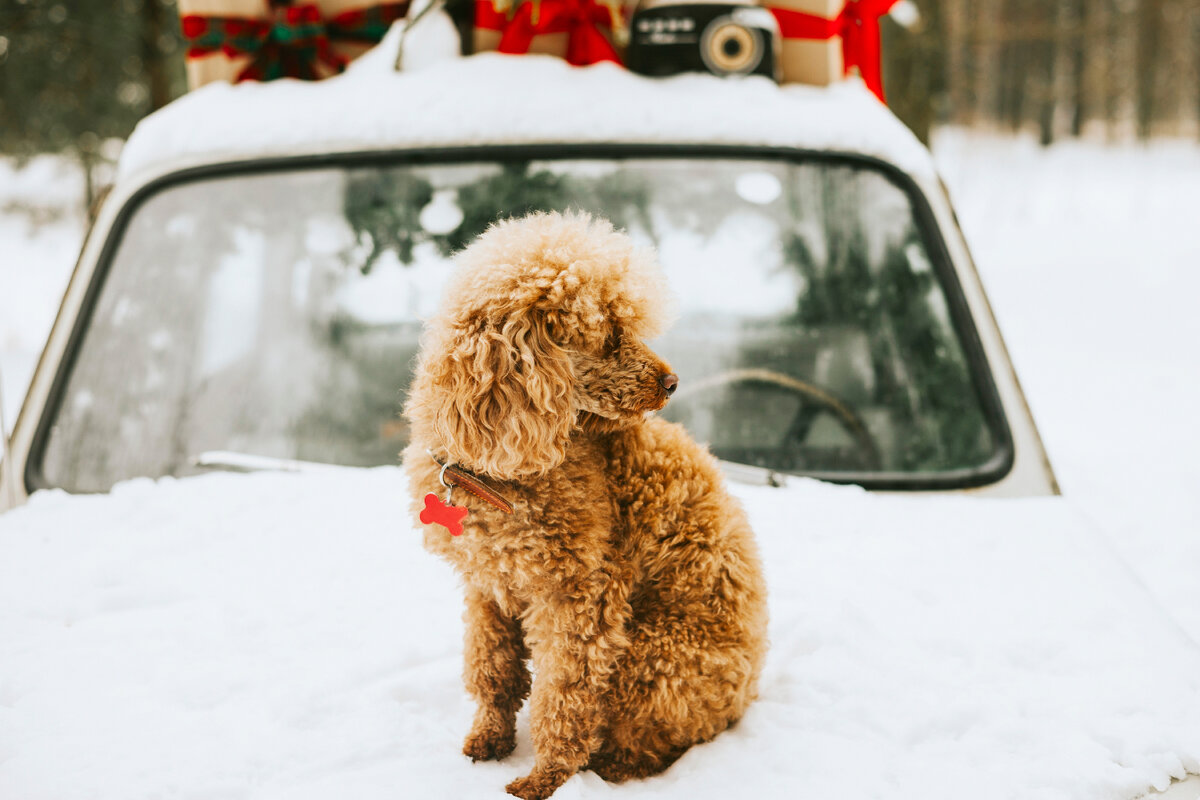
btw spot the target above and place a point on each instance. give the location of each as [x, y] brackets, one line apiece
[438, 513]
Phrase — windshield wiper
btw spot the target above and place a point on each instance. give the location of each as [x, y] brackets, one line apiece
[246, 462]
[755, 476]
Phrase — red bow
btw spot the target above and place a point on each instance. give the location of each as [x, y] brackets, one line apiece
[579, 19]
[858, 25]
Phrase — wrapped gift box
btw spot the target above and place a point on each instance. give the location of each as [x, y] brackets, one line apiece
[217, 64]
[826, 39]
[817, 61]
[581, 31]
[234, 40]
[356, 25]
[489, 30]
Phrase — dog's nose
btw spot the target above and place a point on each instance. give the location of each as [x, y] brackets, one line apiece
[669, 382]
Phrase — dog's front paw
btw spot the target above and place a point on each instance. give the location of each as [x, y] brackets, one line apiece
[489, 744]
[537, 785]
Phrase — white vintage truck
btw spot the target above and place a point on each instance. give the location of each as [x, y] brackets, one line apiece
[249, 300]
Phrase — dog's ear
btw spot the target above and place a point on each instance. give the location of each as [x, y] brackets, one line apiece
[496, 396]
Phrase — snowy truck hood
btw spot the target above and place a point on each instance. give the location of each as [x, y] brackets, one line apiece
[275, 635]
[493, 99]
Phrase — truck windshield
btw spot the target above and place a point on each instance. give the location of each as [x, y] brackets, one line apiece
[277, 313]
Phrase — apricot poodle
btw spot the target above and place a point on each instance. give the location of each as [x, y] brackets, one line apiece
[601, 551]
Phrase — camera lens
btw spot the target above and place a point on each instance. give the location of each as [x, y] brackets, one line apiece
[729, 48]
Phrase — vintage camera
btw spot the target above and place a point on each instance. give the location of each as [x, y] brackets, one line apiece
[721, 38]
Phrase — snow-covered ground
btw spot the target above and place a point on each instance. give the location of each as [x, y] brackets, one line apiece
[286, 636]
[42, 223]
[1090, 255]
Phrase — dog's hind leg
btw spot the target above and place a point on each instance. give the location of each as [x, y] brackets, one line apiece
[495, 674]
[676, 688]
[615, 764]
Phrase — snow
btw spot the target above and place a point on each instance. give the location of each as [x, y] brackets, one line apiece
[1091, 257]
[285, 636]
[466, 101]
[41, 227]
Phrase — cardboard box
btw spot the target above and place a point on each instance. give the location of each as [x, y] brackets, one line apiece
[813, 61]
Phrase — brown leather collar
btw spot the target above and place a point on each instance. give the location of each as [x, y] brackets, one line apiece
[453, 475]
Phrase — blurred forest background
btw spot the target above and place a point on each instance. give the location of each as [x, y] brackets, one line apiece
[77, 73]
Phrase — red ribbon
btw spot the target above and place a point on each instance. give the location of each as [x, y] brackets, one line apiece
[581, 20]
[858, 25]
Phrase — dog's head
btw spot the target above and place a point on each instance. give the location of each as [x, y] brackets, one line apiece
[540, 332]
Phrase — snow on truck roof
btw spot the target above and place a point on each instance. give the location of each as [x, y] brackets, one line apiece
[497, 99]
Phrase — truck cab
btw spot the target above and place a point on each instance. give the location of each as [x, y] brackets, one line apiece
[254, 284]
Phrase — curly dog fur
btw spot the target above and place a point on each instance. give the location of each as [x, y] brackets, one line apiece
[627, 576]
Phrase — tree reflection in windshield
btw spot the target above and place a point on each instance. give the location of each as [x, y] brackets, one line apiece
[384, 208]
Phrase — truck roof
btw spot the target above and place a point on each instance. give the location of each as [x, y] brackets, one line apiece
[493, 99]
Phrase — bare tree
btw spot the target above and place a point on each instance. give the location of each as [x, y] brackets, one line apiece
[154, 36]
[1176, 78]
[987, 61]
[956, 19]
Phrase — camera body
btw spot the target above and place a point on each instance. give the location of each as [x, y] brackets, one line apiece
[719, 38]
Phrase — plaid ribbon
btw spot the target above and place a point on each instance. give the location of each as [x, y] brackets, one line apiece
[858, 25]
[294, 44]
[581, 20]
